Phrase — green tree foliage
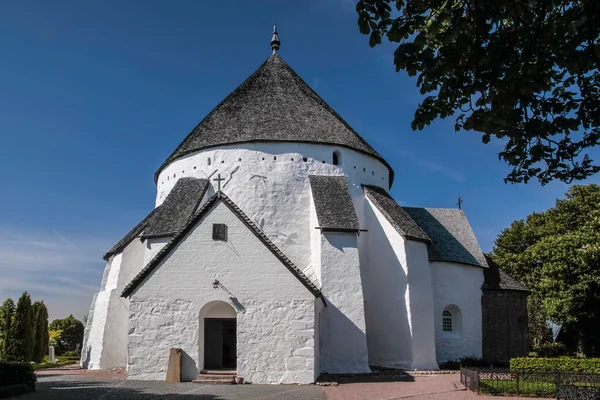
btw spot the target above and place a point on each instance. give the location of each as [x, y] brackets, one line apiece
[7, 311]
[40, 346]
[71, 337]
[20, 343]
[523, 71]
[556, 253]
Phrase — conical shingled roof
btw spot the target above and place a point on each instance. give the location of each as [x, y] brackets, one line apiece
[273, 105]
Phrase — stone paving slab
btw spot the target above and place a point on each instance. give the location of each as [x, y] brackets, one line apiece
[416, 387]
[79, 386]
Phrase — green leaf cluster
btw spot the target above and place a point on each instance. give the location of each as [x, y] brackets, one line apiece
[561, 364]
[556, 253]
[41, 338]
[71, 336]
[12, 373]
[525, 72]
[21, 334]
[7, 311]
[23, 330]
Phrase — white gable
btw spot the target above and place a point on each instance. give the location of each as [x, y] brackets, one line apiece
[272, 305]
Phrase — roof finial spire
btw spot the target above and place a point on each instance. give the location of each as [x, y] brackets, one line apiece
[275, 40]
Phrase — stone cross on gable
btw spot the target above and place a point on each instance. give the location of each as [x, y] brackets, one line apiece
[460, 201]
[218, 179]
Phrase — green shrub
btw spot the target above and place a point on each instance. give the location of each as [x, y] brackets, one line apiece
[450, 365]
[473, 362]
[549, 350]
[564, 364]
[12, 373]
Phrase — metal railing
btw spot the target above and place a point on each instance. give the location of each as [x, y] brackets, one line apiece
[558, 384]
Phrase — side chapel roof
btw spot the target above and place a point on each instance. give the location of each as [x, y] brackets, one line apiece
[395, 214]
[333, 203]
[170, 216]
[452, 238]
[212, 202]
[273, 105]
[494, 278]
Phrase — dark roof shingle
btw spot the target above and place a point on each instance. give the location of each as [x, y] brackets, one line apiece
[333, 203]
[273, 105]
[494, 278]
[170, 216]
[452, 238]
[177, 208]
[395, 214]
[213, 201]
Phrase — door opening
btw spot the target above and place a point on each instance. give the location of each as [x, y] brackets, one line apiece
[220, 343]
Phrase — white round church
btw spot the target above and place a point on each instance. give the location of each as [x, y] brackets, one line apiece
[275, 251]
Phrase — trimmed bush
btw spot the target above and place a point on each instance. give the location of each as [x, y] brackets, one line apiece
[549, 350]
[450, 365]
[563, 364]
[473, 362]
[14, 390]
[12, 373]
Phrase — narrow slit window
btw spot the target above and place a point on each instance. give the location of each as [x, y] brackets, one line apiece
[337, 158]
[208, 160]
[447, 321]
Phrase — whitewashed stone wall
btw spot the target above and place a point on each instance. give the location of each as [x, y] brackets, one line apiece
[105, 340]
[460, 285]
[275, 327]
[342, 328]
[269, 181]
[153, 246]
[385, 285]
[419, 298]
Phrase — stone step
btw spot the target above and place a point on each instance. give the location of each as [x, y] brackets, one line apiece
[215, 379]
[228, 372]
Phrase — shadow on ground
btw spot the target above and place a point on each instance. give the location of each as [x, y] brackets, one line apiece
[71, 388]
[378, 375]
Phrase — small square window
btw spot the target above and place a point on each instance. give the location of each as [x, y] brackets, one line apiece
[219, 232]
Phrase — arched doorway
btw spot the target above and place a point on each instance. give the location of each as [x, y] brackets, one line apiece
[217, 336]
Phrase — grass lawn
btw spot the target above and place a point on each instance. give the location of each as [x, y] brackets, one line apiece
[509, 387]
[60, 360]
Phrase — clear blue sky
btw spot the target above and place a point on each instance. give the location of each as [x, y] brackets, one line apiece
[95, 95]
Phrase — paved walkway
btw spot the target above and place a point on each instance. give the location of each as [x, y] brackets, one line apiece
[81, 386]
[72, 383]
[417, 387]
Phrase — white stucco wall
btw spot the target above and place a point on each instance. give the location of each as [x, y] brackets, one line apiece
[269, 181]
[275, 328]
[460, 285]
[343, 340]
[419, 298]
[105, 343]
[153, 246]
[113, 272]
[385, 285]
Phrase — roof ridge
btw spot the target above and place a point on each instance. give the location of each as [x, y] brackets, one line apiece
[212, 201]
[402, 217]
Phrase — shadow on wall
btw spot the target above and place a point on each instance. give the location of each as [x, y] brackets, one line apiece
[385, 282]
[189, 369]
[340, 354]
[85, 360]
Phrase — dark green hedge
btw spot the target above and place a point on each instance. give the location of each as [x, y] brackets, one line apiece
[12, 373]
[564, 364]
[14, 390]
